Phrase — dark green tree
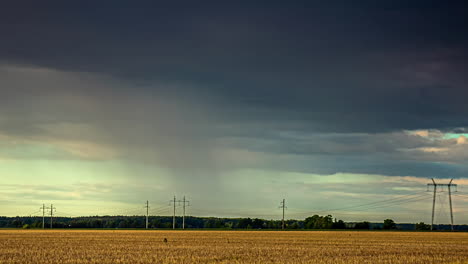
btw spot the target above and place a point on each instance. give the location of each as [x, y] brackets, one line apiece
[294, 225]
[389, 224]
[257, 223]
[339, 224]
[245, 223]
[422, 226]
[362, 225]
[318, 222]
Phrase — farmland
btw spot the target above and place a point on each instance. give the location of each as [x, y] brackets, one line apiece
[133, 246]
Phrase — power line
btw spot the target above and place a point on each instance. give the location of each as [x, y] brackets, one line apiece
[378, 206]
[58, 213]
[231, 213]
[371, 204]
[129, 211]
[35, 213]
[158, 209]
[408, 200]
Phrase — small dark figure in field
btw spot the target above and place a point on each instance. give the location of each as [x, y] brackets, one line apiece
[165, 240]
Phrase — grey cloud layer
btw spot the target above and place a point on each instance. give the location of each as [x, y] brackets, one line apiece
[336, 67]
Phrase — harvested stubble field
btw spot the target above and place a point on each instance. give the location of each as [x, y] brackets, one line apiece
[124, 246]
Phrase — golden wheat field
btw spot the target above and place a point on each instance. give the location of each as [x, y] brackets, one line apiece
[124, 246]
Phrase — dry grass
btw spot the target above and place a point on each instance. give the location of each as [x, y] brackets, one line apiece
[32, 246]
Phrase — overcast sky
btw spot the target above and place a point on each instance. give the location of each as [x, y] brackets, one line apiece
[328, 104]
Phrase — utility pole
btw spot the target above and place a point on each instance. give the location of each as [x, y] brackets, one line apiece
[43, 215]
[51, 208]
[173, 216]
[147, 211]
[184, 203]
[449, 185]
[283, 206]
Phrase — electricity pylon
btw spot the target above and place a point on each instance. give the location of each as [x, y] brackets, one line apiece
[435, 185]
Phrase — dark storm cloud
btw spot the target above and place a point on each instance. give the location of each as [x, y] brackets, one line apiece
[305, 86]
[340, 66]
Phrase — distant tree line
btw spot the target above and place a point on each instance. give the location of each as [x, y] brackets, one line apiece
[191, 222]
[165, 222]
